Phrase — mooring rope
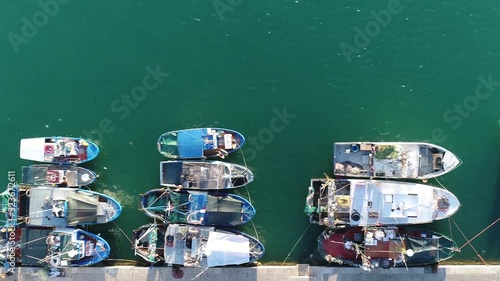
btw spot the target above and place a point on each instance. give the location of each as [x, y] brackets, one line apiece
[296, 244]
[444, 187]
[469, 241]
[473, 248]
[205, 269]
[123, 232]
[248, 192]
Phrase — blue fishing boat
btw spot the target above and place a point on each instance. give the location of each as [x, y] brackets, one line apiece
[199, 143]
[61, 247]
[57, 175]
[58, 150]
[195, 246]
[64, 206]
[196, 207]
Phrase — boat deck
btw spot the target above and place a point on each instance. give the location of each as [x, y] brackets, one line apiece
[395, 160]
[377, 202]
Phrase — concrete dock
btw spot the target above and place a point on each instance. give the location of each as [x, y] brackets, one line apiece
[266, 273]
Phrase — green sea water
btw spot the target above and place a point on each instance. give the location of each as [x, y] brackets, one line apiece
[292, 76]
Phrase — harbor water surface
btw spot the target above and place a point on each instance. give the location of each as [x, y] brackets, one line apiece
[292, 76]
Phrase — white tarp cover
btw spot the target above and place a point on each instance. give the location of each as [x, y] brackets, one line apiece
[449, 161]
[226, 249]
[33, 149]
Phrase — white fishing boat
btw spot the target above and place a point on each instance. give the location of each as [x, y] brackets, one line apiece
[58, 150]
[397, 160]
[375, 202]
[204, 175]
[57, 175]
[64, 206]
[195, 246]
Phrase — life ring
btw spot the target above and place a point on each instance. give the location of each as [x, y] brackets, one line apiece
[27, 220]
[28, 192]
[55, 261]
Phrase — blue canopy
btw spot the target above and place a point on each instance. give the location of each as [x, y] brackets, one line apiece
[191, 143]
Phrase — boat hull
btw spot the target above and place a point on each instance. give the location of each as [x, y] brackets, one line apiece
[199, 143]
[384, 246]
[63, 206]
[394, 160]
[58, 150]
[60, 247]
[57, 175]
[196, 207]
[204, 175]
[359, 202]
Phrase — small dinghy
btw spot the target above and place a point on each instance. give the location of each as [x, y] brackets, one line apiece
[61, 247]
[196, 207]
[395, 160]
[64, 206]
[384, 247]
[58, 150]
[57, 175]
[199, 143]
[204, 175]
[195, 246]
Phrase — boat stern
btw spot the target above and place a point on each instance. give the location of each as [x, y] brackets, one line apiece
[32, 149]
[168, 146]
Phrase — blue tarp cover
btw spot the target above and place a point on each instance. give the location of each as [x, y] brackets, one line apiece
[190, 143]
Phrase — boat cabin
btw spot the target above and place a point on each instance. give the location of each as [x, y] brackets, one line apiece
[64, 150]
[183, 246]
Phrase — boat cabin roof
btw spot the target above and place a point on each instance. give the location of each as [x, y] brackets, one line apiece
[390, 203]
